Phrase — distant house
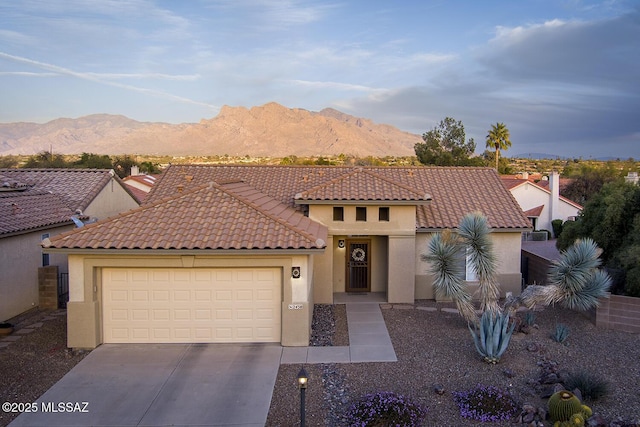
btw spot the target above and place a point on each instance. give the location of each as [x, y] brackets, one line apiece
[540, 202]
[40, 203]
[139, 184]
[242, 253]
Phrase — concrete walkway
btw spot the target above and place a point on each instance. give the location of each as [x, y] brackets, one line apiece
[369, 339]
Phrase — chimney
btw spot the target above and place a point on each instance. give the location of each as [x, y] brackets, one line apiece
[135, 171]
[554, 188]
[525, 175]
[632, 177]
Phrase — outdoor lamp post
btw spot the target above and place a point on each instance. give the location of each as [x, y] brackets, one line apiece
[302, 385]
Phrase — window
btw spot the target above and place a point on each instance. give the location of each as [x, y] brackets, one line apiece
[361, 213]
[470, 272]
[383, 214]
[338, 213]
[45, 257]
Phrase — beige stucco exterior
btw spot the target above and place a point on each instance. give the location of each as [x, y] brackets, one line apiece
[506, 247]
[20, 258]
[85, 286]
[21, 254]
[392, 250]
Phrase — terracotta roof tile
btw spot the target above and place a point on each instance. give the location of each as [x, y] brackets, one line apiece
[77, 187]
[534, 212]
[455, 191]
[215, 216]
[362, 185]
[46, 197]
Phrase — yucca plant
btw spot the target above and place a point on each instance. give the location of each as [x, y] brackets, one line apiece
[575, 280]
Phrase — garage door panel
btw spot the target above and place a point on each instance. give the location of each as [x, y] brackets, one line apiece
[192, 305]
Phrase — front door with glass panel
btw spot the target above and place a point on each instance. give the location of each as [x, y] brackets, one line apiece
[358, 271]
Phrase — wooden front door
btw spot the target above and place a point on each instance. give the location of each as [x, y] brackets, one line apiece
[358, 261]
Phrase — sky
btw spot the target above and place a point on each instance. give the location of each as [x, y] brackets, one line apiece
[562, 75]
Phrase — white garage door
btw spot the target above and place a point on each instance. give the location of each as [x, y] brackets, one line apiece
[191, 305]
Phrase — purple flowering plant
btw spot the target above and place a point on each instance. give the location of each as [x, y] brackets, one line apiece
[486, 404]
[386, 409]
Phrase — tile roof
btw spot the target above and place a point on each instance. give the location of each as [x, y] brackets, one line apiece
[362, 185]
[455, 191]
[226, 215]
[510, 183]
[138, 193]
[77, 187]
[31, 211]
[35, 198]
[534, 212]
[146, 180]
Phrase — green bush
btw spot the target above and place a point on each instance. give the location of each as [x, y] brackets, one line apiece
[632, 282]
[591, 386]
[556, 225]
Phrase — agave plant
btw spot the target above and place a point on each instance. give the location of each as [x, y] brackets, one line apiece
[575, 280]
[492, 336]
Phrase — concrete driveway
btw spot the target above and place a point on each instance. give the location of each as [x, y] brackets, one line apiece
[163, 385]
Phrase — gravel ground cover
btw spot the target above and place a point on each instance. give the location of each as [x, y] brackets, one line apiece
[435, 352]
[30, 365]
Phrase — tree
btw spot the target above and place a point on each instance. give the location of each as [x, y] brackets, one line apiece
[122, 165]
[93, 161]
[498, 139]
[445, 145]
[8, 162]
[612, 219]
[588, 180]
[45, 159]
[576, 281]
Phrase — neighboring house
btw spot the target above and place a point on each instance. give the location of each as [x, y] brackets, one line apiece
[139, 184]
[242, 253]
[39, 203]
[542, 203]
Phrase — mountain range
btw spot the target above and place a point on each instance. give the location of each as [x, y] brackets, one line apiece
[271, 130]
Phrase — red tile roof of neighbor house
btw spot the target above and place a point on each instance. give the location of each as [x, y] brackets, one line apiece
[511, 182]
[534, 212]
[224, 215]
[77, 187]
[454, 191]
[46, 197]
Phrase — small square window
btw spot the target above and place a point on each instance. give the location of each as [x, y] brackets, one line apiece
[383, 214]
[338, 213]
[361, 213]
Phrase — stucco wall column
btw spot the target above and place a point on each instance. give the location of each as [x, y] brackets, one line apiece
[402, 267]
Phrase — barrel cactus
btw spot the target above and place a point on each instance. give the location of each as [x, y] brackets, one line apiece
[565, 409]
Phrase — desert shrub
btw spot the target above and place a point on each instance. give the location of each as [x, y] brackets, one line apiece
[385, 409]
[591, 385]
[486, 404]
[556, 226]
[561, 333]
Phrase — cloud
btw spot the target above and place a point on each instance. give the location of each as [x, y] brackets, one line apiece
[95, 77]
[336, 85]
[567, 87]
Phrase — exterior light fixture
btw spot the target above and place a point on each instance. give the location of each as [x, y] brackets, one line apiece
[341, 243]
[302, 385]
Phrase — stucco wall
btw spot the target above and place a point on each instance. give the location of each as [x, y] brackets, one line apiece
[85, 288]
[530, 196]
[20, 257]
[506, 248]
[387, 260]
[112, 200]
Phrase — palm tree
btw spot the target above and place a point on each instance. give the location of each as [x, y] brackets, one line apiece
[498, 139]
